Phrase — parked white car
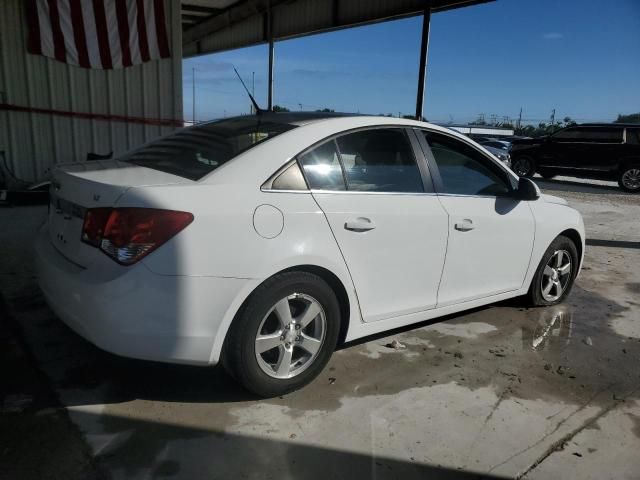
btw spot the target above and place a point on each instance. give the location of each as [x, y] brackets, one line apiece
[263, 241]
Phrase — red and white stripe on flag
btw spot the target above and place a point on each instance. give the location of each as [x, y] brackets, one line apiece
[103, 34]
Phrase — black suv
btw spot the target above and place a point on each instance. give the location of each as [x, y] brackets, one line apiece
[603, 151]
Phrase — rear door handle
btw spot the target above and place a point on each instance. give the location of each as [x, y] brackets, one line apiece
[360, 224]
[464, 225]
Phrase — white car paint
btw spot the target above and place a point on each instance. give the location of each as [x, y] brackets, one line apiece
[177, 304]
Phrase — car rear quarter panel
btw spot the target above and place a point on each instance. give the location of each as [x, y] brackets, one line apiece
[223, 242]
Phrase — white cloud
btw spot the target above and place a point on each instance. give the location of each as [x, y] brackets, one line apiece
[552, 36]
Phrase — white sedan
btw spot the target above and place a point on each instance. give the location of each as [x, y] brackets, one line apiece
[262, 242]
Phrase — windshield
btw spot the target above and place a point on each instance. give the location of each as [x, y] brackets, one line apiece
[196, 151]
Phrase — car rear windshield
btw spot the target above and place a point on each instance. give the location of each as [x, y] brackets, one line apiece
[196, 151]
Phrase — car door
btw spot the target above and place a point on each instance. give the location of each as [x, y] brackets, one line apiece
[559, 150]
[491, 233]
[374, 189]
[599, 149]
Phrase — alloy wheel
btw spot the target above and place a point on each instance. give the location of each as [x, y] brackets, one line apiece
[556, 275]
[521, 166]
[631, 179]
[290, 336]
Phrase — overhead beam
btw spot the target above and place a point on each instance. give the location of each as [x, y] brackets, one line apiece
[271, 53]
[235, 26]
[192, 18]
[198, 9]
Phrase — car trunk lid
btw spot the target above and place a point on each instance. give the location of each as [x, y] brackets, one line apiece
[78, 187]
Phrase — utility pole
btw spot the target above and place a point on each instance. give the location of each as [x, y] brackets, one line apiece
[520, 118]
[553, 118]
[193, 84]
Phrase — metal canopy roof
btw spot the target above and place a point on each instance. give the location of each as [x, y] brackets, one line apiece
[211, 26]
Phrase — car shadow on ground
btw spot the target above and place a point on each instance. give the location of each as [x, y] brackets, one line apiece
[142, 452]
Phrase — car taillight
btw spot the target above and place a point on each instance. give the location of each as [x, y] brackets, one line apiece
[129, 234]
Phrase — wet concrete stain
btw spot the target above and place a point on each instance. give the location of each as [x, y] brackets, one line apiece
[636, 424]
[633, 287]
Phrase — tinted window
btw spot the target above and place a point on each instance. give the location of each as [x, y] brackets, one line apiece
[322, 167]
[194, 152]
[464, 170]
[290, 179]
[633, 136]
[590, 134]
[379, 160]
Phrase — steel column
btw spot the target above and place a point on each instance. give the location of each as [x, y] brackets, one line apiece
[270, 40]
[424, 46]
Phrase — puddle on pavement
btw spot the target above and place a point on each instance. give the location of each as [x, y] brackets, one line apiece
[567, 352]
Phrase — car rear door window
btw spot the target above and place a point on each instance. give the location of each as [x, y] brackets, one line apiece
[463, 170]
[379, 160]
[633, 136]
[322, 168]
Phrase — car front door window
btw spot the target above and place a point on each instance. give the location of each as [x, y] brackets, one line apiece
[463, 170]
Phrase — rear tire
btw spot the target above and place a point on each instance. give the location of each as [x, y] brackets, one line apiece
[555, 274]
[269, 349]
[629, 178]
[547, 175]
[523, 166]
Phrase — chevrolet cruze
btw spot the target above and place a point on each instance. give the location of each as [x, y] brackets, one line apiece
[261, 242]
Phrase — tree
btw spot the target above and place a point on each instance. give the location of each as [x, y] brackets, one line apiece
[326, 110]
[630, 118]
[278, 108]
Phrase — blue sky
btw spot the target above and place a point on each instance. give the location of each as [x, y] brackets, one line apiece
[581, 57]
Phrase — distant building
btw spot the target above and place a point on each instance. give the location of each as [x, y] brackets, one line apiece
[481, 130]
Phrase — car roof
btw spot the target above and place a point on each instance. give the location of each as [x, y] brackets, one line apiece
[609, 125]
[295, 118]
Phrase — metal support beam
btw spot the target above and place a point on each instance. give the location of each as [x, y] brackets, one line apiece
[424, 47]
[270, 40]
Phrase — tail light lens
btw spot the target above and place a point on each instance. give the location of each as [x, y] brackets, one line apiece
[129, 234]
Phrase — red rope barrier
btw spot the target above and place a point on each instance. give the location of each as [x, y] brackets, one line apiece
[163, 122]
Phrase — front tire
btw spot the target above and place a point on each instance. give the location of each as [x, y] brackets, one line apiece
[555, 275]
[284, 335]
[629, 178]
[523, 166]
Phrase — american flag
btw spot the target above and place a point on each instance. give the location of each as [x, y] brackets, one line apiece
[104, 34]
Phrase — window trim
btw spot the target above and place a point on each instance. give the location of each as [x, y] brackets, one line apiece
[268, 185]
[418, 154]
[494, 165]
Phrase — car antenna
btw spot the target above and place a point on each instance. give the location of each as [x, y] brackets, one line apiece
[253, 100]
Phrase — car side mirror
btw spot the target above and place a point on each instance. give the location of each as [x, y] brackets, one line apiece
[527, 190]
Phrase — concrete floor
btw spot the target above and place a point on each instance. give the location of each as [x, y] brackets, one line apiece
[500, 391]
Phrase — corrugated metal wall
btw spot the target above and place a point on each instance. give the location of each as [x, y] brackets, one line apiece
[33, 142]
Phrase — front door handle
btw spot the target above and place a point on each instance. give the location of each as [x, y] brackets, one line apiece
[464, 225]
[360, 224]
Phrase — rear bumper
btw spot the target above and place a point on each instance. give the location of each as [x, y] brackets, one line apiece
[133, 312]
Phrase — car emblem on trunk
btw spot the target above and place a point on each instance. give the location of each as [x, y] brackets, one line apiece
[96, 197]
